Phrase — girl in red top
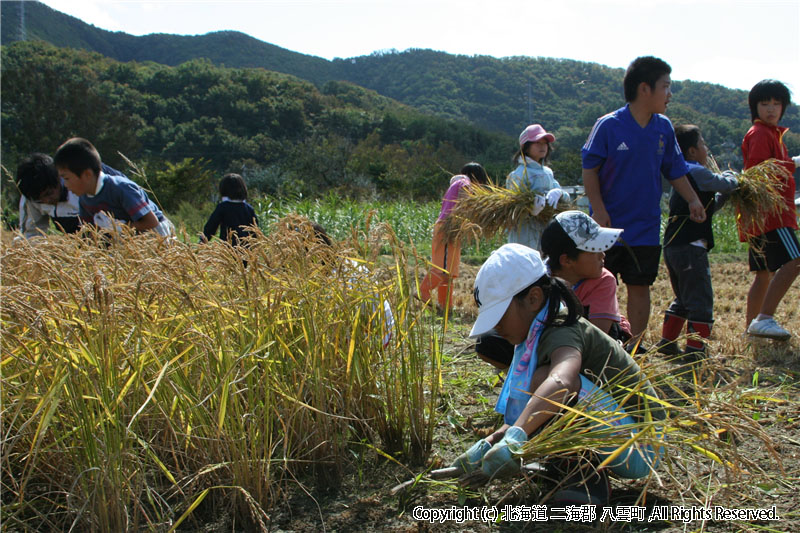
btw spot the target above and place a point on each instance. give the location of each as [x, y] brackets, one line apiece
[774, 254]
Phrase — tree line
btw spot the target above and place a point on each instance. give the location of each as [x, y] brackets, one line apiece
[284, 134]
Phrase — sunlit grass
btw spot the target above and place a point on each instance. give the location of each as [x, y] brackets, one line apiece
[144, 379]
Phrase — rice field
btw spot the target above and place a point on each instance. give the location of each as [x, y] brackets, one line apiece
[146, 380]
[152, 385]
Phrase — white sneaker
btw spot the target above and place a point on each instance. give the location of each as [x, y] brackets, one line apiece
[768, 328]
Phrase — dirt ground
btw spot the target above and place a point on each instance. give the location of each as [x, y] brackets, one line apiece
[363, 502]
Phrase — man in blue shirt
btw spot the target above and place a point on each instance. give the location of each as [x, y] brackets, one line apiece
[623, 159]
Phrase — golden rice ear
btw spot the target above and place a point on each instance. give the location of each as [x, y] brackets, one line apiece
[759, 195]
[483, 211]
[175, 367]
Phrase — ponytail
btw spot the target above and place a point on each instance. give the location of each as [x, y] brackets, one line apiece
[556, 291]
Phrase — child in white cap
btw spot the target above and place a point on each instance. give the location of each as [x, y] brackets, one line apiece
[574, 245]
[558, 354]
[535, 146]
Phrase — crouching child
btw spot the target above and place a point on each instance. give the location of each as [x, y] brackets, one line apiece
[106, 199]
[559, 355]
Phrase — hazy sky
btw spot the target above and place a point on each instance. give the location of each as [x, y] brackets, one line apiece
[730, 42]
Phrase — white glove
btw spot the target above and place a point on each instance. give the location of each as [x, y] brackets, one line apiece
[796, 160]
[538, 204]
[553, 196]
[102, 220]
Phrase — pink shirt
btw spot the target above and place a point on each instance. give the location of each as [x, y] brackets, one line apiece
[600, 295]
[449, 200]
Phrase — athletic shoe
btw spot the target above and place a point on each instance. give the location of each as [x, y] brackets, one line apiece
[768, 329]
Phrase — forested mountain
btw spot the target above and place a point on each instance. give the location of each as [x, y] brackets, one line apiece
[499, 94]
[284, 134]
[233, 49]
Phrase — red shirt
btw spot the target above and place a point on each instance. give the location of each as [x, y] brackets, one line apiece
[763, 142]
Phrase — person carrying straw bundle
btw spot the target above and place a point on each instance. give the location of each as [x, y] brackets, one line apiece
[446, 248]
[774, 253]
[686, 248]
[535, 146]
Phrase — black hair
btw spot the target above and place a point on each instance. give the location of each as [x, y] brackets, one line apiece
[766, 90]
[233, 186]
[475, 172]
[320, 234]
[647, 69]
[554, 243]
[556, 291]
[521, 154]
[78, 155]
[688, 136]
[35, 175]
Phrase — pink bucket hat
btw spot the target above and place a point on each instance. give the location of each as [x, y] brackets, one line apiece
[533, 133]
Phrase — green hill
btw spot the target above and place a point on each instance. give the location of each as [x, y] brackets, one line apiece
[500, 95]
[230, 48]
[285, 134]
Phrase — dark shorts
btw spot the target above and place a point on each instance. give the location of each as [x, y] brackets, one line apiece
[636, 265]
[773, 249]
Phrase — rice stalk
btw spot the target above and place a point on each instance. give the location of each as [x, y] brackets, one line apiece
[759, 194]
[139, 373]
[702, 429]
[484, 210]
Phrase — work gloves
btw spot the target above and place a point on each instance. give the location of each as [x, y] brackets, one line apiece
[503, 459]
[498, 460]
[471, 459]
[553, 196]
[538, 204]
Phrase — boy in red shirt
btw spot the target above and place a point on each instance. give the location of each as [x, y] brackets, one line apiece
[774, 250]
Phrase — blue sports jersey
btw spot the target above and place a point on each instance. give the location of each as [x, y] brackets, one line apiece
[632, 160]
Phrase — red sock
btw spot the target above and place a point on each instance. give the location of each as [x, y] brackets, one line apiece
[673, 324]
[703, 329]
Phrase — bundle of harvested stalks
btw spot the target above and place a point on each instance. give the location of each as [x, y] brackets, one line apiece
[759, 194]
[485, 210]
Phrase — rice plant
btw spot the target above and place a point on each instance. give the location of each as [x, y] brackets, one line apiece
[758, 195]
[145, 380]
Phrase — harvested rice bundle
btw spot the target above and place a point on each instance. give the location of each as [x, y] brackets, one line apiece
[759, 194]
[485, 210]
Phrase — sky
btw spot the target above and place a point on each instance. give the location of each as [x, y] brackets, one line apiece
[730, 42]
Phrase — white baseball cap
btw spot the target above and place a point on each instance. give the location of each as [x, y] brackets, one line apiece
[587, 234]
[509, 269]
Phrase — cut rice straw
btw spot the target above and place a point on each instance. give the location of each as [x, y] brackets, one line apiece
[759, 195]
[487, 209]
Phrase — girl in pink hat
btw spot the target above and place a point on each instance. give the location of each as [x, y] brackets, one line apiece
[535, 146]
